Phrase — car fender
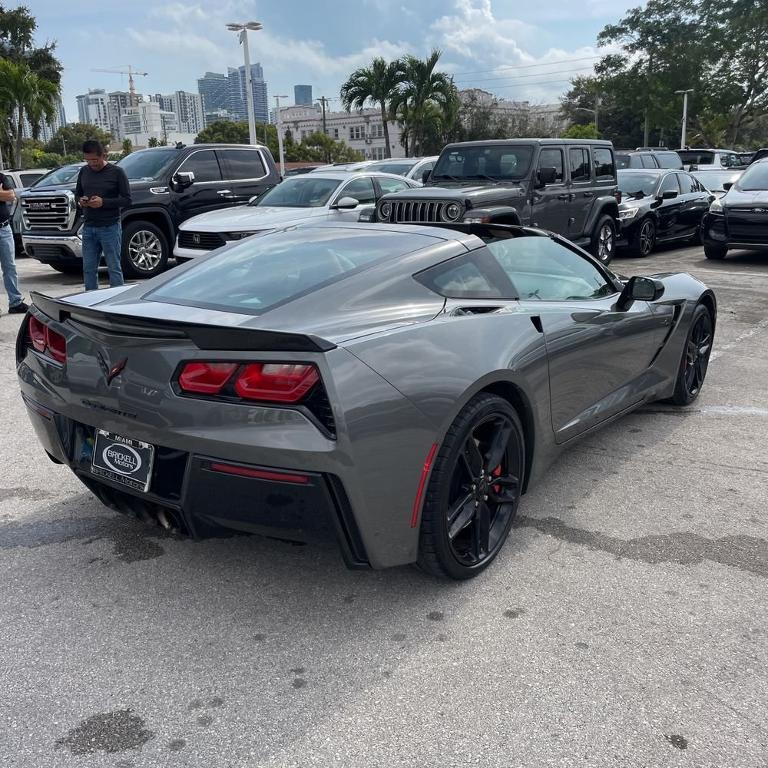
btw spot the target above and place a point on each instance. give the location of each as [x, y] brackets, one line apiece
[499, 214]
[602, 206]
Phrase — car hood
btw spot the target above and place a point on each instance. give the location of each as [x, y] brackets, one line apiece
[247, 217]
[472, 196]
[739, 198]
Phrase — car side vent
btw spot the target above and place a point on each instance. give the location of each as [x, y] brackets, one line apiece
[476, 310]
[318, 404]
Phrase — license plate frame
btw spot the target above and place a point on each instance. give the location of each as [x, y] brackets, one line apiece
[123, 460]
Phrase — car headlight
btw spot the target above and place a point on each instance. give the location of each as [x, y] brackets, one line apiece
[716, 206]
[451, 212]
[385, 210]
[627, 213]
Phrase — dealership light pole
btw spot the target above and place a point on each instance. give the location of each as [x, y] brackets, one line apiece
[685, 115]
[254, 26]
[279, 123]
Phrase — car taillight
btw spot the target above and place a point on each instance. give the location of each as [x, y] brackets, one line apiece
[206, 378]
[47, 341]
[276, 382]
[266, 382]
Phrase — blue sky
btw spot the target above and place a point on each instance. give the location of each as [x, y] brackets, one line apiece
[518, 50]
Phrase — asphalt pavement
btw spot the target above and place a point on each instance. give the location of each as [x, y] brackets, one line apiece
[624, 624]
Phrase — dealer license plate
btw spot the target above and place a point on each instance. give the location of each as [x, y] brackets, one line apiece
[123, 460]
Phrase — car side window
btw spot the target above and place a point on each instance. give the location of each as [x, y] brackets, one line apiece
[360, 189]
[687, 183]
[391, 185]
[553, 158]
[648, 161]
[203, 164]
[669, 184]
[603, 160]
[239, 164]
[473, 275]
[540, 268]
[578, 159]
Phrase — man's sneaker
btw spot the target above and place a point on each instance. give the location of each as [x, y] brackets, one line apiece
[18, 309]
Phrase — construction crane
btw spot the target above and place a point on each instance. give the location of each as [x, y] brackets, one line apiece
[126, 69]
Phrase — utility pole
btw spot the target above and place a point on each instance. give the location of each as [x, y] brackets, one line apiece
[279, 123]
[597, 109]
[685, 115]
[323, 101]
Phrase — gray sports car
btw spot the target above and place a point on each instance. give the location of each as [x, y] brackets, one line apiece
[393, 388]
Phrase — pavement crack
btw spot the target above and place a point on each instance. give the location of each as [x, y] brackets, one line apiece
[746, 553]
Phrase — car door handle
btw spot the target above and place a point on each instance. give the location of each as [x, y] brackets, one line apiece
[589, 194]
[566, 197]
[224, 192]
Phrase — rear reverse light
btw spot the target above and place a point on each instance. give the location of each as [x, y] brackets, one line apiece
[47, 341]
[266, 382]
[206, 378]
[276, 382]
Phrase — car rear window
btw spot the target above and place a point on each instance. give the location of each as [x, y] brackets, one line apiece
[277, 267]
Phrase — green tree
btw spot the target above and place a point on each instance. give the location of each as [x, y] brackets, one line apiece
[127, 147]
[424, 103]
[318, 146]
[68, 140]
[377, 84]
[24, 94]
[224, 132]
[153, 142]
[577, 131]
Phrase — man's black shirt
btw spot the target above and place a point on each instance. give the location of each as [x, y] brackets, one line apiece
[5, 209]
[111, 185]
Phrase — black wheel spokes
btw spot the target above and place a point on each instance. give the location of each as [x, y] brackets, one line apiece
[485, 491]
[697, 354]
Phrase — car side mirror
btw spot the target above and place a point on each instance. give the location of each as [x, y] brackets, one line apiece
[547, 176]
[346, 204]
[425, 176]
[184, 179]
[669, 194]
[639, 289]
[727, 185]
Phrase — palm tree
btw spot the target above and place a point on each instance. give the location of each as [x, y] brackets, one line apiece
[423, 101]
[25, 94]
[378, 84]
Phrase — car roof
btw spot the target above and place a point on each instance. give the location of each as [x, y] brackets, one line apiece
[346, 175]
[657, 171]
[523, 142]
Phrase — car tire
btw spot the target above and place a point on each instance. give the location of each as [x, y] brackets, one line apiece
[643, 238]
[695, 358]
[68, 268]
[145, 250]
[603, 244]
[467, 516]
[715, 252]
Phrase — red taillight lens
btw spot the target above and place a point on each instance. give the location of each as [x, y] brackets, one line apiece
[37, 333]
[206, 378]
[45, 340]
[276, 382]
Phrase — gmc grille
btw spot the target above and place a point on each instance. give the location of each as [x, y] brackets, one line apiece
[204, 241]
[418, 211]
[48, 213]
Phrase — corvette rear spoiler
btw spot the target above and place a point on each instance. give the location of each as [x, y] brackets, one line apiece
[206, 337]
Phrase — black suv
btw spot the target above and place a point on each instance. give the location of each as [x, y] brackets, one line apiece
[168, 185]
[562, 185]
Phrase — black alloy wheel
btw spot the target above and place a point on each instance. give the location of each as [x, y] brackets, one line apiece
[695, 360]
[474, 490]
[604, 240]
[716, 252]
[644, 239]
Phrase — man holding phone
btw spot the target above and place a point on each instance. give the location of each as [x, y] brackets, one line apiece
[16, 303]
[102, 190]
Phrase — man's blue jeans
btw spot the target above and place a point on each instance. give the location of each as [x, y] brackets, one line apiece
[98, 240]
[8, 266]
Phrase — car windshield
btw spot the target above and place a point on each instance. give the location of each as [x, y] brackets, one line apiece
[714, 180]
[63, 175]
[754, 178]
[399, 169]
[304, 192]
[637, 184]
[148, 164]
[498, 162]
[266, 270]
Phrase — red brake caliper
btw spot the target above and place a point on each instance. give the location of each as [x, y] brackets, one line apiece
[496, 473]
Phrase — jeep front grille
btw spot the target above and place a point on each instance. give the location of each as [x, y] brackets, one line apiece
[47, 213]
[418, 211]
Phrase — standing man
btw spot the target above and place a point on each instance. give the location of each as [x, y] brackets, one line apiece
[16, 303]
[102, 190]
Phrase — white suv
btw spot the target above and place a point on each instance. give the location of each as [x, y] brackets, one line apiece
[19, 180]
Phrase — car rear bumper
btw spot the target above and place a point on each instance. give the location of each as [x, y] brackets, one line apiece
[206, 496]
[54, 248]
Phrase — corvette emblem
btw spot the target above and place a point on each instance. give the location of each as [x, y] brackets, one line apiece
[111, 372]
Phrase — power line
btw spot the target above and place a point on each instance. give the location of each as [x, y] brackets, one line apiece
[527, 66]
[535, 74]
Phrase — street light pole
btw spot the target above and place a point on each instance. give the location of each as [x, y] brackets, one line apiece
[280, 134]
[243, 36]
[685, 115]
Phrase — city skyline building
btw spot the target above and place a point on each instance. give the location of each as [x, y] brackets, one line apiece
[302, 95]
